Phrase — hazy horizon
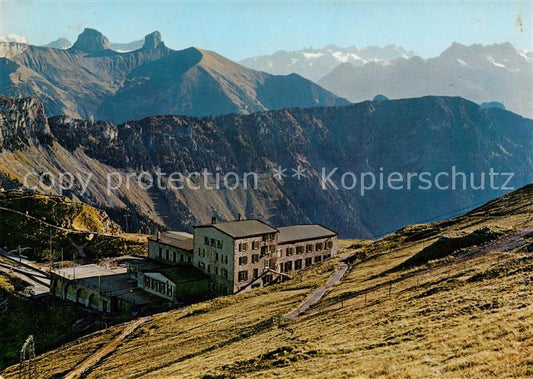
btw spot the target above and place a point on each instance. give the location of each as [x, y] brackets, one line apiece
[242, 30]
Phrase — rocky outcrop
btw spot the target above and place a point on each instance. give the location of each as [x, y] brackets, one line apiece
[152, 41]
[11, 49]
[23, 122]
[90, 41]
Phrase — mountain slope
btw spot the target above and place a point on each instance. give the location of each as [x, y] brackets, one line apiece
[478, 73]
[432, 134]
[467, 316]
[105, 84]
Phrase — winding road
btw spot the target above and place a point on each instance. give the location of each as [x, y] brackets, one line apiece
[320, 292]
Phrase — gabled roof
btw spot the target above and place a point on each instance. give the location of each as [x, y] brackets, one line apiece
[296, 233]
[181, 240]
[242, 228]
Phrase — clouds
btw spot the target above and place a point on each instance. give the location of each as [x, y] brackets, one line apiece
[13, 38]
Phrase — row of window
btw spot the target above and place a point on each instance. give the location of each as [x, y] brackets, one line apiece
[213, 270]
[219, 244]
[309, 248]
[174, 256]
[244, 259]
[157, 285]
[212, 255]
[298, 264]
[242, 276]
[243, 246]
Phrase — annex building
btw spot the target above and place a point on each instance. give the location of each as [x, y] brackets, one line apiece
[217, 259]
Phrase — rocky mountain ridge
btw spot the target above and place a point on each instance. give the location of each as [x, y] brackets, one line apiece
[431, 134]
[90, 80]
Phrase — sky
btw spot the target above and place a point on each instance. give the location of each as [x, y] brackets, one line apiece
[239, 29]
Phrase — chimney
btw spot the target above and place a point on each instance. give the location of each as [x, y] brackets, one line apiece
[213, 220]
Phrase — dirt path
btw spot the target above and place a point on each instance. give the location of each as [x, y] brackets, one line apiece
[320, 292]
[105, 350]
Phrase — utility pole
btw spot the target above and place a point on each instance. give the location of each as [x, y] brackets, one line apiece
[74, 267]
[27, 365]
[51, 254]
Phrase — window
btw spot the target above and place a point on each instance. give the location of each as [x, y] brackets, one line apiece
[309, 249]
[298, 264]
[220, 244]
[224, 273]
[264, 250]
[318, 258]
[201, 265]
[160, 253]
[299, 249]
[147, 282]
[243, 276]
[318, 246]
[201, 252]
[255, 258]
[224, 259]
[213, 242]
[288, 266]
[162, 288]
[182, 258]
[206, 241]
[214, 256]
[209, 269]
[289, 251]
[243, 260]
[329, 244]
[215, 270]
[256, 273]
[308, 262]
[327, 256]
[169, 291]
[255, 245]
[272, 248]
[174, 255]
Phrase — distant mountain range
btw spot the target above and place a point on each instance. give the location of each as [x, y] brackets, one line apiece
[314, 64]
[483, 74]
[430, 134]
[90, 80]
[63, 43]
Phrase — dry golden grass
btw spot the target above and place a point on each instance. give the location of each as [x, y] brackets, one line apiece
[467, 316]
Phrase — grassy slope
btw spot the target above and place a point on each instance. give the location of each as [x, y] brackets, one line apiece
[47, 320]
[468, 316]
[79, 220]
